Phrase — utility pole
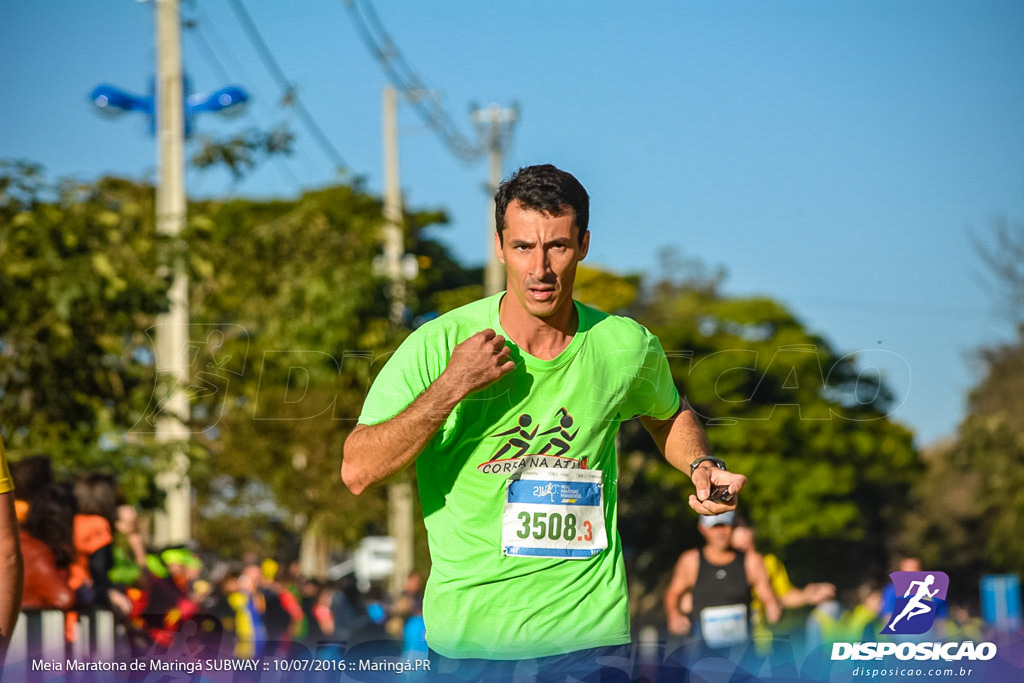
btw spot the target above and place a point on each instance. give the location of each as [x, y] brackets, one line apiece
[400, 513]
[173, 525]
[496, 123]
[394, 241]
[172, 109]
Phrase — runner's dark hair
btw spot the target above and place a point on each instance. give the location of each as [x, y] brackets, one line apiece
[543, 188]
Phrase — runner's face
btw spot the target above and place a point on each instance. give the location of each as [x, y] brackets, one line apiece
[718, 536]
[540, 253]
[742, 538]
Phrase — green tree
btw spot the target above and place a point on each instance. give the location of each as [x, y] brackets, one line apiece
[828, 469]
[967, 509]
[288, 323]
[80, 283]
[605, 290]
[288, 309]
[242, 152]
[969, 506]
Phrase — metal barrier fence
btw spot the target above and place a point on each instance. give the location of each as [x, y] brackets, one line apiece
[39, 640]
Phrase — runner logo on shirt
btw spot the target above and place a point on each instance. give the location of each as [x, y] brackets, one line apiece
[525, 445]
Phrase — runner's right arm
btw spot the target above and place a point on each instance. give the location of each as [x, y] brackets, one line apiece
[683, 579]
[375, 452]
[12, 569]
[12, 566]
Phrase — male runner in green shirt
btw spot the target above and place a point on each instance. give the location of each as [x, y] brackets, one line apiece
[510, 406]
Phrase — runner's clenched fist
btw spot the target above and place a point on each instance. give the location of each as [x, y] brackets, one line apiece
[478, 362]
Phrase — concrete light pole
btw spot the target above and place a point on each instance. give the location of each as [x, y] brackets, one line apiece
[496, 123]
[172, 112]
[173, 525]
[400, 512]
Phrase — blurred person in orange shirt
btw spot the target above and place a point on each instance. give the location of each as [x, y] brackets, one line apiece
[46, 511]
[96, 501]
[47, 547]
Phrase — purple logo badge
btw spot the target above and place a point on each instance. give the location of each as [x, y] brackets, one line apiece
[917, 596]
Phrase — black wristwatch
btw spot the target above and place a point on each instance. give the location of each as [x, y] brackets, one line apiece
[717, 462]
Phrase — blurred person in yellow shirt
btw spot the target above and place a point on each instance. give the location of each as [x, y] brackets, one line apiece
[791, 597]
[12, 568]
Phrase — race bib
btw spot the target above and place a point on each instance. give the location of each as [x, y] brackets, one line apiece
[724, 626]
[554, 512]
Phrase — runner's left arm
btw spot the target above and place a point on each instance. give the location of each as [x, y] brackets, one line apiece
[757, 575]
[681, 439]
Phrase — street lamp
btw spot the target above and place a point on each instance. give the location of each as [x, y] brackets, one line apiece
[171, 109]
[112, 101]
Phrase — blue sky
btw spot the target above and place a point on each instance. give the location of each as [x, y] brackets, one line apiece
[836, 156]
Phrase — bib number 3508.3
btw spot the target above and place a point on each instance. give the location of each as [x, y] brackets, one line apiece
[555, 526]
[551, 512]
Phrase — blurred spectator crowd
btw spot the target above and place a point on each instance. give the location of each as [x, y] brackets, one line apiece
[84, 552]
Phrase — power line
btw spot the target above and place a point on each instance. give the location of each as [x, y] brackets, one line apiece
[224, 48]
[204, 23]
[426, 102]
[289, 93]
[195, 31]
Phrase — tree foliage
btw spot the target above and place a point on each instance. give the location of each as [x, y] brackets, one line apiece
[828, 469]
[243, 152]
[1003, 257]
[80, 283]
[289, 325]
[968, 508]
[288, 308]
[605, 290]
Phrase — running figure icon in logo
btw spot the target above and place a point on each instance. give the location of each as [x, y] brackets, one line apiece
[921, 592]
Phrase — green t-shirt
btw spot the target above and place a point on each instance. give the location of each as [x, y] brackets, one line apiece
[481, 602]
